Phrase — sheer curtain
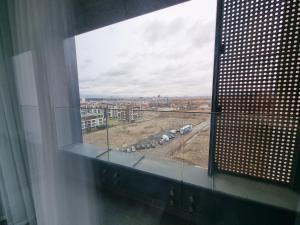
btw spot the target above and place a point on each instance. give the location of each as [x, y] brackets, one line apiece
[15, 192]
[39, 115]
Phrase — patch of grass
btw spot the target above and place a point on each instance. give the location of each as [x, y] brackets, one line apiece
[113, 122]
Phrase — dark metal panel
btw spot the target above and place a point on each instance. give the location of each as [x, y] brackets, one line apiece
[149, 187]
[214, 105]
[196, 205]
[258, 91]
[296, 70]
[192, 203]
[93, 14]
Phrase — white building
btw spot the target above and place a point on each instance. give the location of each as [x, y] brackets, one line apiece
[91, 121]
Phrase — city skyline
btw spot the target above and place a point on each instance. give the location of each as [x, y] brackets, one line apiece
[134, 97]
[167, 52]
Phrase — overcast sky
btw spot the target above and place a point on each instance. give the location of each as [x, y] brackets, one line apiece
[167, 52]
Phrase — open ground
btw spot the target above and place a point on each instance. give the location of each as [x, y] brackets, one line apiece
[191, 148]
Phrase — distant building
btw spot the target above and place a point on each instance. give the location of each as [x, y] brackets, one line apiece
[121, 111]
[126, 113]
[91, 121]
[134, 114]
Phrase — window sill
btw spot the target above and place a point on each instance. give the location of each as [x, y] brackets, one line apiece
[243, 188]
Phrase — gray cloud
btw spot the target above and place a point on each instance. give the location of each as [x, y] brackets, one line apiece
[201, 33]
[157, 30]
[85, 63]
[122, 69]
[168, 52]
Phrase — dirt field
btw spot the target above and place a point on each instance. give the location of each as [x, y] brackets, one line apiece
[191, 147]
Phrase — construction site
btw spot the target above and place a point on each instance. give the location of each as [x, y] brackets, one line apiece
[160, 135]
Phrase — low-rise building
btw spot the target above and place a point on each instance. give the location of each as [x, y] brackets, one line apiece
[125, 113]
[119, 111]
[90, 121]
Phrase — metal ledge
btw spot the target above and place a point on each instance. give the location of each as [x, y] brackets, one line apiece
[267, 194]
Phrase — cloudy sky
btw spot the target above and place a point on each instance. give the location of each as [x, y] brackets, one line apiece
[167, 52]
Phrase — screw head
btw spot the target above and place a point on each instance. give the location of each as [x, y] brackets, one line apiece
[172, 202]
[191, 199]
[172, 192]
[191, 209]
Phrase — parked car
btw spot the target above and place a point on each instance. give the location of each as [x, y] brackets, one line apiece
[173, 131]
[164, 138]
[186, 129]
[161, 142]
[171, 136]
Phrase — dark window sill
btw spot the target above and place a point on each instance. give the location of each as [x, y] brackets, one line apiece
[243, 188]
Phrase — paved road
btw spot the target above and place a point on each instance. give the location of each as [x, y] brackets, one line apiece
[200, 127]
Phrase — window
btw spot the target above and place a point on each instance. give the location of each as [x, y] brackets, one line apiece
[48, 176]
[150, 80]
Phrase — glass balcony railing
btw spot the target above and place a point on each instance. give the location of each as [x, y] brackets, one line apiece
[174, 137]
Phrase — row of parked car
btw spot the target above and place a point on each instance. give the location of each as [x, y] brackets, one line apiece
[136, 147]
[172, 133]
[147, 144]
[167, 137]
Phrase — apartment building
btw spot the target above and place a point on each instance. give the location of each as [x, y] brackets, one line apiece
[91, 121]
[126, 113]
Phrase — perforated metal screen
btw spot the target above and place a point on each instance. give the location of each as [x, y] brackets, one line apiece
[257, 89]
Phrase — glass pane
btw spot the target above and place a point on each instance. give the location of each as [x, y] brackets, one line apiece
[154, 86]
[93, 125]
[195, 133]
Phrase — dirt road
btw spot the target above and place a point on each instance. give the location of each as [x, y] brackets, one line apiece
[191, 148]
